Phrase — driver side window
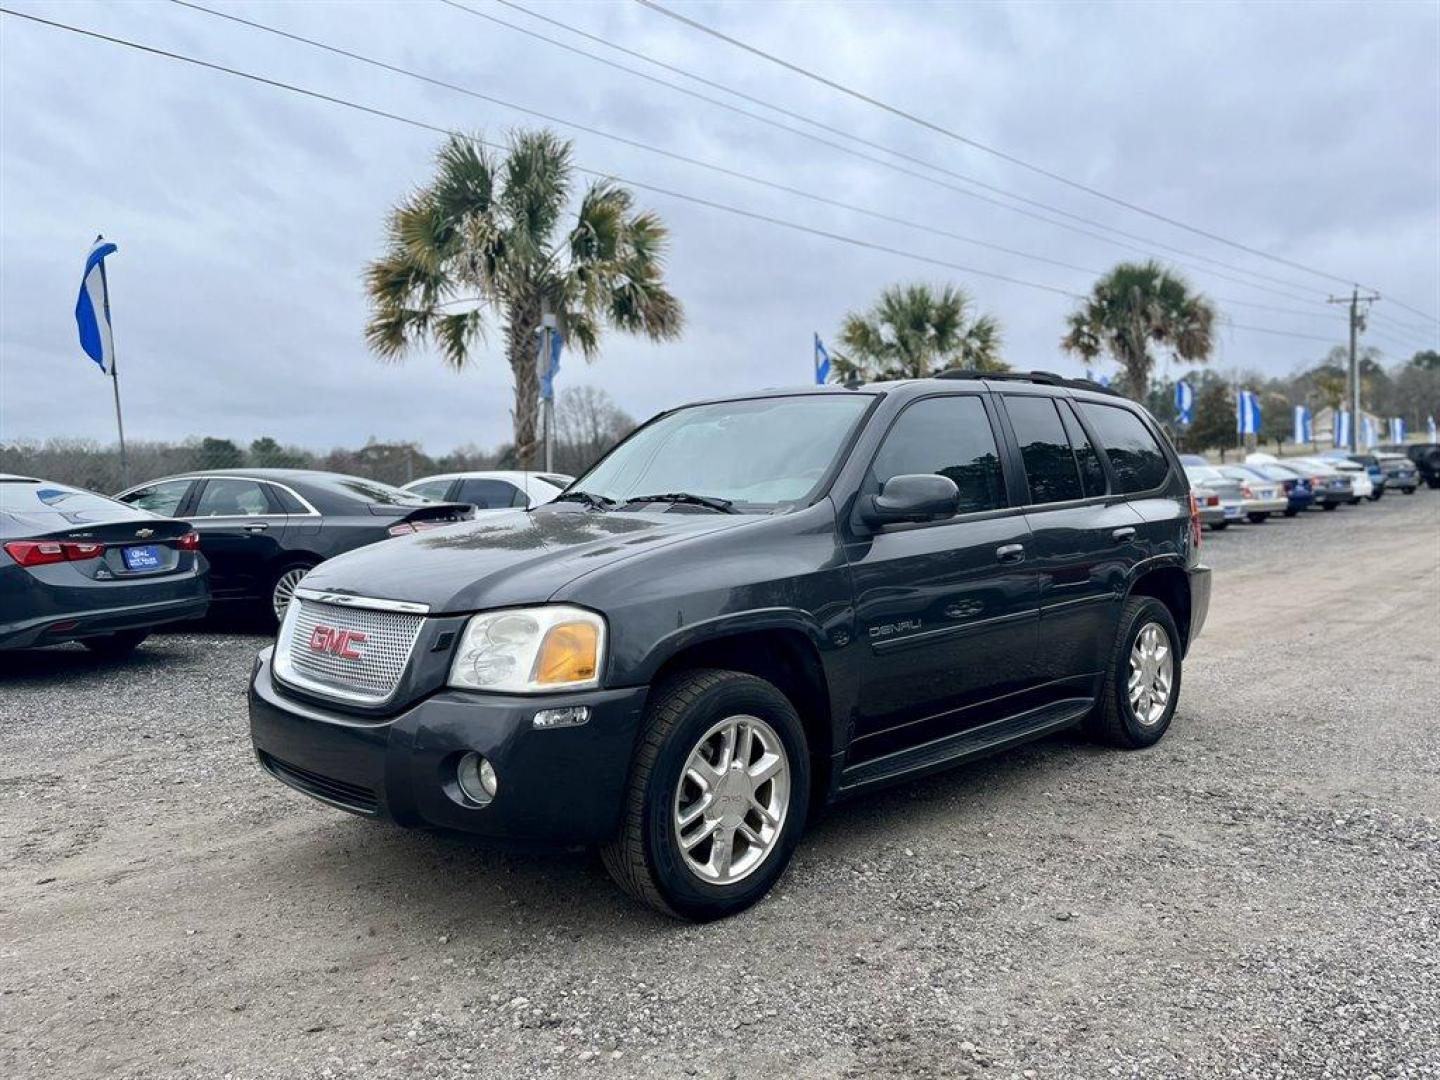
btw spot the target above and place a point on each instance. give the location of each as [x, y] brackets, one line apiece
[950, 436]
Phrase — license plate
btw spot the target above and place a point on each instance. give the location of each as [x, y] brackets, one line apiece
[1232, 511]
[144, 557]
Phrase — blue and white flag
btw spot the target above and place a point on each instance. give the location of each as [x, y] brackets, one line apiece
[1368, 435]
[1304, 430]
[1184, 403]
[1397, 429]
[1247, 413]
[1342, 428]
[822, 363]
[547, 379]
[1430, 426]
[92, 309]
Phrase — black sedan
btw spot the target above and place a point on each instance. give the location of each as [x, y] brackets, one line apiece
[265, 529]
[76, 566]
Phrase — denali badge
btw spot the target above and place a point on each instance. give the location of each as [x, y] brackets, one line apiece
[342, 643]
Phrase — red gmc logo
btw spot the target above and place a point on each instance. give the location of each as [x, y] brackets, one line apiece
[342, 643]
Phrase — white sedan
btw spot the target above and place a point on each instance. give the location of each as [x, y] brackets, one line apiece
[1359, 477]
[492, 490]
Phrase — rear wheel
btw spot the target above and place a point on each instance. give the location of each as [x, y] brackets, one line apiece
[717, 796]
[1330, 505]
[1291, 512]
[1142, 682]
[1257, 516]
[1220, 526]
[114, 646]
[282, 591]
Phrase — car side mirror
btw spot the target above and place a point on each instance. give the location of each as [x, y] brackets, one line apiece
[912, 497]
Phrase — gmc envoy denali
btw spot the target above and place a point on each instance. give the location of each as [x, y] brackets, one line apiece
[749, 609]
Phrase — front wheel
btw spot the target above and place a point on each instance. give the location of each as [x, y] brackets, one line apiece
[1142, 682]
[717, 796]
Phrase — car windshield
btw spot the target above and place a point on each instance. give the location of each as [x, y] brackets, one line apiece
[756, 454]
[370, 491]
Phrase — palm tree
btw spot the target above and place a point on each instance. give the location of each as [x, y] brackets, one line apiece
[488, 237]
[1134, 306]
[912, 332]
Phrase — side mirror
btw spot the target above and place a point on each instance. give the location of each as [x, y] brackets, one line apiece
[914, 497]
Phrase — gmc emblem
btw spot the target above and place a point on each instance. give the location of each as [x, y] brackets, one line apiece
[342, 643]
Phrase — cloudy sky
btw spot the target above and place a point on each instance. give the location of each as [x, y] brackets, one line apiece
[245, 214]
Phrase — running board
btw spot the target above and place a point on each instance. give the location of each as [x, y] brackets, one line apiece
[965, 745]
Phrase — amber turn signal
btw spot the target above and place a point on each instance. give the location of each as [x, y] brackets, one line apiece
[570, 654]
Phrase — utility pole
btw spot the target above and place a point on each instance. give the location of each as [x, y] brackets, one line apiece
[1357, 324]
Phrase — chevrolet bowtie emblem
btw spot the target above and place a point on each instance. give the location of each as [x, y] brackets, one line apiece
[144, 534]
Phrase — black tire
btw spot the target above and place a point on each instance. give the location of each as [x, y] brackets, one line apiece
[117, 645]
[1330, 505]
[1376, 498]
[1220, 526]
[645, 859]
[1291, 512]
[269, 601]
[1113, 720]
[1409, 491]
[1257, 516]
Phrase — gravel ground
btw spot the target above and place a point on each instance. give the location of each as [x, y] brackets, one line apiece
[1258, 896]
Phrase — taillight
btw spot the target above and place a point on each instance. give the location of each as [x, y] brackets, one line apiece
[1194, 521]
[1213, 500]
[44, 552]
[189, 542]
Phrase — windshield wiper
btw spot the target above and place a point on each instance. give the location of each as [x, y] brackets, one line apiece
[589, 498]
[724, 506]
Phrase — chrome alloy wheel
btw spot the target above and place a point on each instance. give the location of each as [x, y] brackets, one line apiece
[285, 590]
[731, 801]
[1152, 671]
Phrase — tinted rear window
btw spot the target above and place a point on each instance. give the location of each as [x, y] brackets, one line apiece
[1049, 462]
[369, 491]
[26, 498]
[1138, 462]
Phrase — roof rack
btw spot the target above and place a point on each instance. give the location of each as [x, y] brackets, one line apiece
[1044, 378]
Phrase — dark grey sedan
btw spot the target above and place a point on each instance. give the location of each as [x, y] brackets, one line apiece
[265, 529]
[76, 566]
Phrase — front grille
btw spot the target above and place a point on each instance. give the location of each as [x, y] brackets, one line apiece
[347, 796]
[348, 652]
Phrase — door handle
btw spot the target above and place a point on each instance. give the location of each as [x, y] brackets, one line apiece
[1122, 535]
[257, 527]
[1010, 553]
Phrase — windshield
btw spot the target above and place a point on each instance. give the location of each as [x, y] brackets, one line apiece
[756, 453]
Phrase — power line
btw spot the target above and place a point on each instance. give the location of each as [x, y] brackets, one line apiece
[636, 144]
[598, 174]
[994, 151]
[656, 189]
[852, 152]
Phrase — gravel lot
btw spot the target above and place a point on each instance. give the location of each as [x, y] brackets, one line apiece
[1258, 896]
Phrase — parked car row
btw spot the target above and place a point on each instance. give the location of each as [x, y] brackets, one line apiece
[102, 571]
[1266, 485]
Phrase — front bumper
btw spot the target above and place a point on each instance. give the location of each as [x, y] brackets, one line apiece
[561, 786]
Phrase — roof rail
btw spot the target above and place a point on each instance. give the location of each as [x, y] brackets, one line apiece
[1043, 378]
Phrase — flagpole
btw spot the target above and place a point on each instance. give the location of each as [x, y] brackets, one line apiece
[115, 382]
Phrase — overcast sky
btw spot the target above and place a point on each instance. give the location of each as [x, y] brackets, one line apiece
[245, 214]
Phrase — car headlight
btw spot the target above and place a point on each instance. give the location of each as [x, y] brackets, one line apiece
[530, 650]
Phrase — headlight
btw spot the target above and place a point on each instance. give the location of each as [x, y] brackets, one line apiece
[530, 650]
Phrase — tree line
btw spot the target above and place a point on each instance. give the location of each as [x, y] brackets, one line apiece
[587, 424]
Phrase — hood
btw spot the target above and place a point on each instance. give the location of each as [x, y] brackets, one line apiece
[508, 557]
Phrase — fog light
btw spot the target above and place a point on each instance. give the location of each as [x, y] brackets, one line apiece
[569, 716]
[476, 778]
